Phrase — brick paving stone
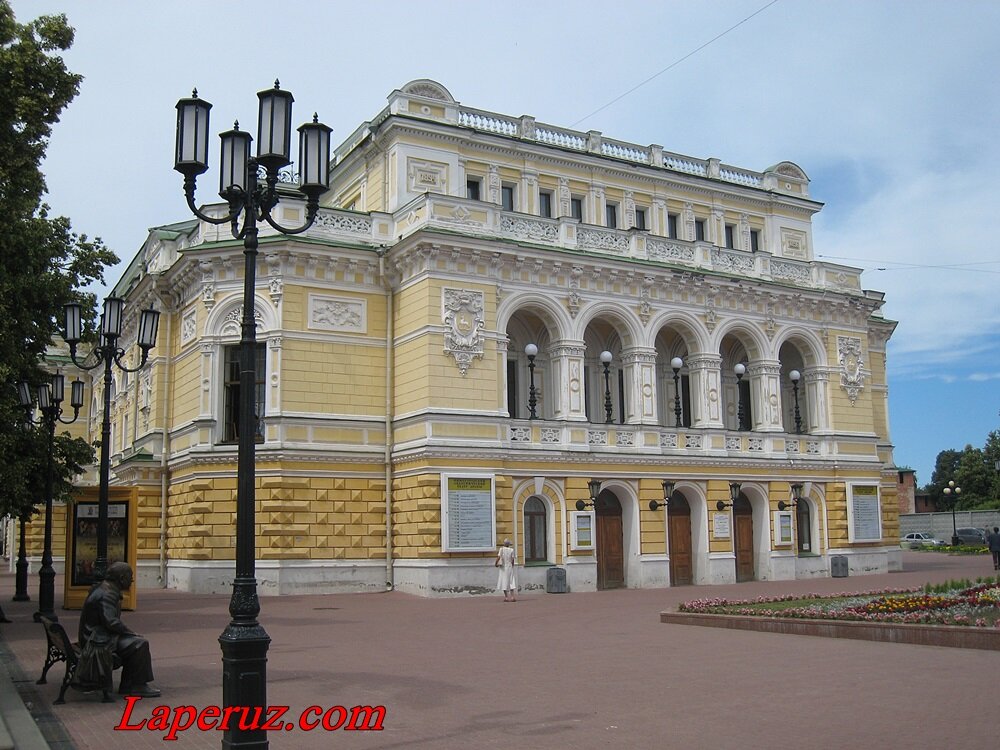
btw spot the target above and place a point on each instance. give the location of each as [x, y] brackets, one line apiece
[586, 670]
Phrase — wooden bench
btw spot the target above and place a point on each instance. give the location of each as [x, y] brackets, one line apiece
[61, 648]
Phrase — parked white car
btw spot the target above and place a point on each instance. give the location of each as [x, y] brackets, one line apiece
[919, 538]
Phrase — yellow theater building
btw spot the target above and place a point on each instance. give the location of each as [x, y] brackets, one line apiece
[625, 360]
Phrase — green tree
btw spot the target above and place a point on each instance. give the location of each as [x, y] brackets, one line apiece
[43, 263]
[944, 470]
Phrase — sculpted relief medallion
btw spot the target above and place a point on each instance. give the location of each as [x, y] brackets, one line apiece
[462, 314]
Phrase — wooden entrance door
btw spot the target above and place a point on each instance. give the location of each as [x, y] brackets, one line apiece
[743, 519]
[679, 532]
[610, 542]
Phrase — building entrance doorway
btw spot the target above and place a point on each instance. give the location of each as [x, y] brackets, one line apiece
[610, 542]
[679, 535]
[743, 520]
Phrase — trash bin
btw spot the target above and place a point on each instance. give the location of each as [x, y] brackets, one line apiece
[838, 566]
[555, 581]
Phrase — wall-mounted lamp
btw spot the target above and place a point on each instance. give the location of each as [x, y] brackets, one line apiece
[734, 495]
[795, 499]
[595, 489]
[668, 492]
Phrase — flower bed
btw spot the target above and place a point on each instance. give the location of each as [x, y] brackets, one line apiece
[957, 603]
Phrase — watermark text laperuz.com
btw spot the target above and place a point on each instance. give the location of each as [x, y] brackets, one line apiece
[175, 719]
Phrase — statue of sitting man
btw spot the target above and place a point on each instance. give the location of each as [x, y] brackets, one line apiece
[102, 628]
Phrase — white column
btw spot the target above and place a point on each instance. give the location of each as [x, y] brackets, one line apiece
[502, 345]
[566, 358]
[817, 399]
[765, 395]
[640, 376]
[705, 373]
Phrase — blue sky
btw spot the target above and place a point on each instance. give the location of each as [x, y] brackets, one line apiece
[890, 108]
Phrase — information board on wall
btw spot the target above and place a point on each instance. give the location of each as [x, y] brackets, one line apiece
[864, 513]
[468, 513]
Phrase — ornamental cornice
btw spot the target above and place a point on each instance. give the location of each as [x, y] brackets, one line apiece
[514, 454]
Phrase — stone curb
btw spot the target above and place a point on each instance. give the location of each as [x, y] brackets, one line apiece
[953, 636]
[17, 727]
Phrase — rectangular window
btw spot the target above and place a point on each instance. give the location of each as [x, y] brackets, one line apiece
[545, 204]
[730, 236]
[699, 230]
[472, 189]
[231, 387]
[507, 197]
[576, 208]
[672, 226]
[611, 215]
[640, 218]
[754, 240]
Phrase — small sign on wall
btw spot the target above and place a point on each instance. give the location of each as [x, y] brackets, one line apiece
[721, 526]
[582, 525]
[782, 527]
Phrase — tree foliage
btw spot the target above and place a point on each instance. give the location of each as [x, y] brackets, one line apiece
[974, 470]
[43, 263]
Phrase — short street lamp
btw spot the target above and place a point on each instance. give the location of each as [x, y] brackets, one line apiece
[50, 398]
[606, 358]
[244, 642]
[531, 351]
[950, 490]
[795, 376]
[676, 364]
[740, 369]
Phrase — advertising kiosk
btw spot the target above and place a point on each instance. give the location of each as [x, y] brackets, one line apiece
[81, 541]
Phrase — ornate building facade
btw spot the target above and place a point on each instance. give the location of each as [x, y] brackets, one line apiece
[488, 314]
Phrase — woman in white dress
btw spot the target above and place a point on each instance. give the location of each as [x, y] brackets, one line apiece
[507, 580]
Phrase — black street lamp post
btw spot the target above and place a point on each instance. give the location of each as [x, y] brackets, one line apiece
[244, 642]
[531, 351]
[795, 376]
[950, 490]
[606, 358]
[106, 354]
[50, 398]
[676, 364]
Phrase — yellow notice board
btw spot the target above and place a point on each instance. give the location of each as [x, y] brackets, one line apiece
[81, 541]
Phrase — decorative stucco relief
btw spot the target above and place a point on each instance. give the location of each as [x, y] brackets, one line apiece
[462, 315]
[851, 366]
[345, 314]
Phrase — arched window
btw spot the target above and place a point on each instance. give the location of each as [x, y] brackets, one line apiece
[535, 531]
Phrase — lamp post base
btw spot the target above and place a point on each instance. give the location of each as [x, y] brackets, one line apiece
[21, 581]
[244, 645]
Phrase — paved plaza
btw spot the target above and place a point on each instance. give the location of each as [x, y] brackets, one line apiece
[585, 670]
